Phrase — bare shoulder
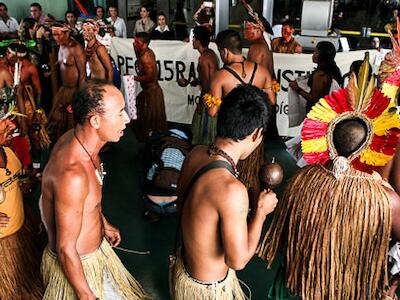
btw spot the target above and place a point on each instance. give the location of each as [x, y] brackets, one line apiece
[229, 191]
[76, 46]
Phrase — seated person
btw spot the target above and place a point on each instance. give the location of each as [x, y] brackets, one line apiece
[165, 153]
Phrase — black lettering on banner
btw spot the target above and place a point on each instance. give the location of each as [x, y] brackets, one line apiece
[128, 66]
[192, 72]
[192, 99]
[167, 67]
[121, 61]
[288, 79]
[180, 69]
[159, 70]
[299, 73]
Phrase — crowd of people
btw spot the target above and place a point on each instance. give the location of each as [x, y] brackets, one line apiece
[60, 94]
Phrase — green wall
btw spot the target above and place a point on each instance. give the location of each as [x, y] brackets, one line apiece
[20, 8]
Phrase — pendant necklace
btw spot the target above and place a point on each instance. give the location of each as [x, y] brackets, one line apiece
[214, 150]
[98, 171]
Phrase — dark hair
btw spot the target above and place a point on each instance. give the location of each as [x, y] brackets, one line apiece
[113, 6]
[97, 7]
[288, 23]
[144, 36]
[202, 34]
[35, 4]
[349, 135]
[326, 60]
[356, 65]
[242, 111]
[4, 5]
[162, 14]
[70, 12]
[89, 99]
[148, 9]
[229, 39]
[266, 24]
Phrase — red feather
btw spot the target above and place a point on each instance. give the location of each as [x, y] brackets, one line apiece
[379, 103]
[316, 157]
[386, 144]
[358, 165]
[394, 78]
[338, 101]
[313, 129]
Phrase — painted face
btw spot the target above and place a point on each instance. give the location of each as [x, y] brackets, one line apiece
[161, 21]
[138, 45]
[89, 33]
[251, 31]
[114, 118]
[61, 37]
[36, 13]
[287, 32]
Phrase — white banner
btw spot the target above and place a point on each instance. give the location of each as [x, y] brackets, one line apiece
[176, 59]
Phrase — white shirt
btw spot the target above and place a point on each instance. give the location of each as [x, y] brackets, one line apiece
[166, 28]
[10, 26]
[119, 26]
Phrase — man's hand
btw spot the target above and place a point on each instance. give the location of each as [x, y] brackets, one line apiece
[293, 84]
[4, 219]
[112, 234]
[267, 202]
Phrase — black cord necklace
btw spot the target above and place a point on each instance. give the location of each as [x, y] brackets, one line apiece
[3, 153]
[214, 150]
[242, 64]
[98, 171]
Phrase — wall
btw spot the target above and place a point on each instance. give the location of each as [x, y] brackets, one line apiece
[20, 8]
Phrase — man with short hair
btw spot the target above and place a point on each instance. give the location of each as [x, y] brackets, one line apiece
[97, 58]
[71, 61]
[117, 22]
[151, 115]
[287, 43]
[37, 14]
[213, 204]
[8, 25]
[238, 70]
[79, 261]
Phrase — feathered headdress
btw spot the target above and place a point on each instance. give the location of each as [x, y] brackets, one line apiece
[260, 22]
[360, 100]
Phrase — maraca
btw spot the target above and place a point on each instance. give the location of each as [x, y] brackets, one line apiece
[271, 175]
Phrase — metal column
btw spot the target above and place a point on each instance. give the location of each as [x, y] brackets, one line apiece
[221, 15]
[268, 10]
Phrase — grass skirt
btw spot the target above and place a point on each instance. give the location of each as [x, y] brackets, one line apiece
[20, 263]
[248, 168]
[96, 265]
[204, 128]
[185, 287]
[60, 120]
[150, 112]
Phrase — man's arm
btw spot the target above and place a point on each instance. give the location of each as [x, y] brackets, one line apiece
[216, 91]
[240, 239]
[395, 201]
[69, 203]
[149, 67]
[106, 62]
[36, 83]
[268, 87]
[80, 60]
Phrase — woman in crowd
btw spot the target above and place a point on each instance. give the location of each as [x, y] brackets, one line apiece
[162, 31]
[322, 77]
[144, 24]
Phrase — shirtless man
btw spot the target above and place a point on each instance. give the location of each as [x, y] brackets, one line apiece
[71, 60]
[71, 204]
[97, 58]
[217, 238]
[238, 70]
[260, 53]
[150, 101]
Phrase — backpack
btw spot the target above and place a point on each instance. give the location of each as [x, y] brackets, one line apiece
[167, 152]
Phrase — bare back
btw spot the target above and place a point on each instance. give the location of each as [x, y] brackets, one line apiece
[260, 53]
[71, 198]
[204, 252]
[71, 59]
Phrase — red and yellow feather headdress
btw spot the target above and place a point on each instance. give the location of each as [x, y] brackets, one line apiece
[361, 100]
